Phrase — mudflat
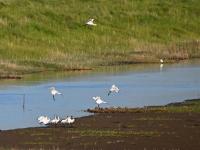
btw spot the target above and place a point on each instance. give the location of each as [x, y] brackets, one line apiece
[143, 130]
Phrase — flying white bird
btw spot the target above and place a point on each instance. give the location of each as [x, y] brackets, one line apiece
[98, 100]
[55, 120]
[54, 92]
[90, 22]
[113, 88]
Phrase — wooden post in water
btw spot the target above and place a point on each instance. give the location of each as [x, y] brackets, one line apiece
[23, 105]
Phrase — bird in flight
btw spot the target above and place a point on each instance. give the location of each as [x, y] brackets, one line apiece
[113, 88]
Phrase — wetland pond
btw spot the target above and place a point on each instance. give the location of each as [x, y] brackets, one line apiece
[140, 85]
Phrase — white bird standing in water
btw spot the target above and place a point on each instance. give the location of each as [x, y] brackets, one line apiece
[98, 100]
[54, 92]
[113, 88]
[90, 22]
[161, 64]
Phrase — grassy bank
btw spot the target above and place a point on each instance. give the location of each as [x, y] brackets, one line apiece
[38, 35]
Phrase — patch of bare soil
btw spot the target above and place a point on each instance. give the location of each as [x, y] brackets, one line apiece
[118, 131]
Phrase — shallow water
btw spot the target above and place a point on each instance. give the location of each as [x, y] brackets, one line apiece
[140, 85]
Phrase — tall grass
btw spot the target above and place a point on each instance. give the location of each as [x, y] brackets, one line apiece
[50, 34]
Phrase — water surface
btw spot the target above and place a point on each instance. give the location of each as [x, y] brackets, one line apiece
[140, 85]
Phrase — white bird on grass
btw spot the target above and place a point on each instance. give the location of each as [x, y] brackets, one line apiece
[98, 100]
[55, 120]
[54, 92]
[90, 22]
[113, 88]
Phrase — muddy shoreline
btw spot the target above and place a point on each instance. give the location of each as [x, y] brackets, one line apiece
[21, 74]
[169, 130]
[10, 77]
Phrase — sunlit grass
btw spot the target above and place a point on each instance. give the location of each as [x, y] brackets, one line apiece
[51, 35]
[186, 106]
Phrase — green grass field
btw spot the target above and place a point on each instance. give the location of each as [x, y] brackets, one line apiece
[39, 35]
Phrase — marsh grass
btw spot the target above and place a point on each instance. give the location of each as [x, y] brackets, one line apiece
[109, 133]
[113, 133]
[185, 106]
[41, 35]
